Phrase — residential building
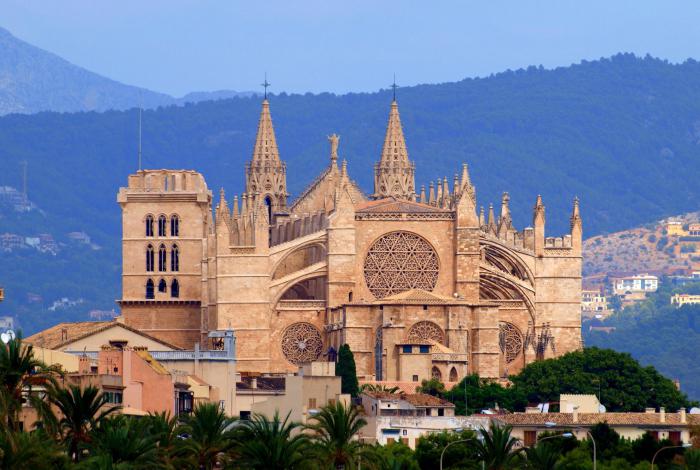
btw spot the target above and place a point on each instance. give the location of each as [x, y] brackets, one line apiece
[638, 283]
[674, 228]
[594, 304]
[685, 299]
[405, 417]
[313, 387]
[694, 230]
[579, 413]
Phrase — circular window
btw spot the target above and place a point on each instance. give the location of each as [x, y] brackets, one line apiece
[398, 262]
[301, 343]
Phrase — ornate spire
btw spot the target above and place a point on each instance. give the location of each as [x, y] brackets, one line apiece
[538, 212]
[334, 139]
[431, 194]
[266, 174]
[575, 214]
[422, 194]
[394, 174]
[492, 220]
[482, 220]
[505, 209]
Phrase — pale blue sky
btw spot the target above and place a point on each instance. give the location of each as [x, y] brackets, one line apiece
[177, 46]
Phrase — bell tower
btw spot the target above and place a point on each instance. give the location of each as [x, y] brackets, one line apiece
[266, 174]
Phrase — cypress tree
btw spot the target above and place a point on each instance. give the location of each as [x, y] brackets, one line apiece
[345, 369]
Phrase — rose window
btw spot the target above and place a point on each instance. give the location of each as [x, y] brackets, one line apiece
[426, 331]
[301, 343]
[398, 262]
[510, 340]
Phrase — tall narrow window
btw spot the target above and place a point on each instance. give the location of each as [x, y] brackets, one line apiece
[149, 258]
[162, 225]
[162, 286]
[175, 289]
[162, 258]
[174, 226]
[175, 259]
[150, 294]
[149, 225]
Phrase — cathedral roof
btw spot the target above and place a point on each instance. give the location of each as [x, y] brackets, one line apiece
[392, 204]
[416, 296]
[265, 143]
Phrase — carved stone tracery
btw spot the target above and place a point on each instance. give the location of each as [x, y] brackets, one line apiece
[510, 340]
[301, 342]
[426, 331]
[400, 261]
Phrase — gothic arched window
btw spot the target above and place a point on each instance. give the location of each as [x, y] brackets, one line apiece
[149, 258]
[150, 294]
[174, 226]
[162, 225]
[149, 225]
[162, 258]
[435, 373]
[175, 289]
[162, 286]
[453, 375]
[174, 259]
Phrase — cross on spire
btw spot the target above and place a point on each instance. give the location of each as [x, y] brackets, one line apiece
[394, 86]
[265, 85]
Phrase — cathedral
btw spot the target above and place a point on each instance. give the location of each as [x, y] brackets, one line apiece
[419, 283]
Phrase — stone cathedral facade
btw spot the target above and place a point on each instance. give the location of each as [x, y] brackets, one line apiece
[420, 283]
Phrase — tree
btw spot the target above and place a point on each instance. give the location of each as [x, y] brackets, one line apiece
[432, 387]
[483, 393]
[29, 450]
[393, 456]
[345, 368]
[208, 436]
[81, 410]
[335, 430]
[543, 456]
[378, 388]
[459, 455]
[165, 428]
[19, 371]
[124, 440]
[497, 448]
[268, 444]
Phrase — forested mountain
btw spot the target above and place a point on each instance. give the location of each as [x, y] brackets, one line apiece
[621, 133]
[33, 80]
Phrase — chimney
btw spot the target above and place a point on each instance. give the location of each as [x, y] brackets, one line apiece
[662, 415]
[650, 410]
[575, 414]
[683, 417]
[254, 383]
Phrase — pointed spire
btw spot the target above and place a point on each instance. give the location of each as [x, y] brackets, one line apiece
[445, 192]
[482, 221]
[492, 220]
[505, 210]
[575, 214]
[222, 207]
[394, 174]
[431, 196]
[265, 142]
[394, 142]
[422, 194]
[334, 139]
[244, 205]
[455, 186]
[344, 172]
[466, 180]
[439, 192]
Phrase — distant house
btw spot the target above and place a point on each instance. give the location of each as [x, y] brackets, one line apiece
[674, 228]
[694, 230]
[638, 283]
[594, 304]
[685, 299]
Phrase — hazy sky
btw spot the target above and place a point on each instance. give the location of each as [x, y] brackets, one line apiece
[177, 46]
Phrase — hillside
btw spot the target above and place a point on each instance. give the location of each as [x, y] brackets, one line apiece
[656, 333]
[646, 248]
[608, 131]
[34, 80]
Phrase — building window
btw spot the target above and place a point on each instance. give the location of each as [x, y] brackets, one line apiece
[149, 225]
[424, 349]
[415, 378]
[453, 375]
[407, 349]
[244, 415]
[175, 289]
[312, 403]
[675, 437]
[404, 441]
[149, 258]
[530, 438]
[162, 286]
[175, 259]
[162, 224]
[162, 258]
[149, 289]
[174, 226]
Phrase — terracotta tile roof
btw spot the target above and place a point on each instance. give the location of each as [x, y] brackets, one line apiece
[590, 419]
[392, 204]
[415, 399]
[155, 365]
[404, 387]
[54, 337]
[274, 384]
[417, 296]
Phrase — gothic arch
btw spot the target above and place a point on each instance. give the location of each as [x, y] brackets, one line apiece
[310, 253]
[505, 260]
[453, 375]
[495, 287]
[435, 373]
[426, 331]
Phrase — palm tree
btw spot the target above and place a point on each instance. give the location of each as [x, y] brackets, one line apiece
[19, 372]
[208, 436]
[81, 410]
[124, 440]
[378, 388]
[497, 448]
[269, 444]
[543, 456]
[164, 427]
[29, 450]
[335, 429]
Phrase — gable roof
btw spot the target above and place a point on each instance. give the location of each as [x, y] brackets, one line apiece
[416, 399]
[54, 337]
[391, 204]
[417, 296]
[589, 419]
